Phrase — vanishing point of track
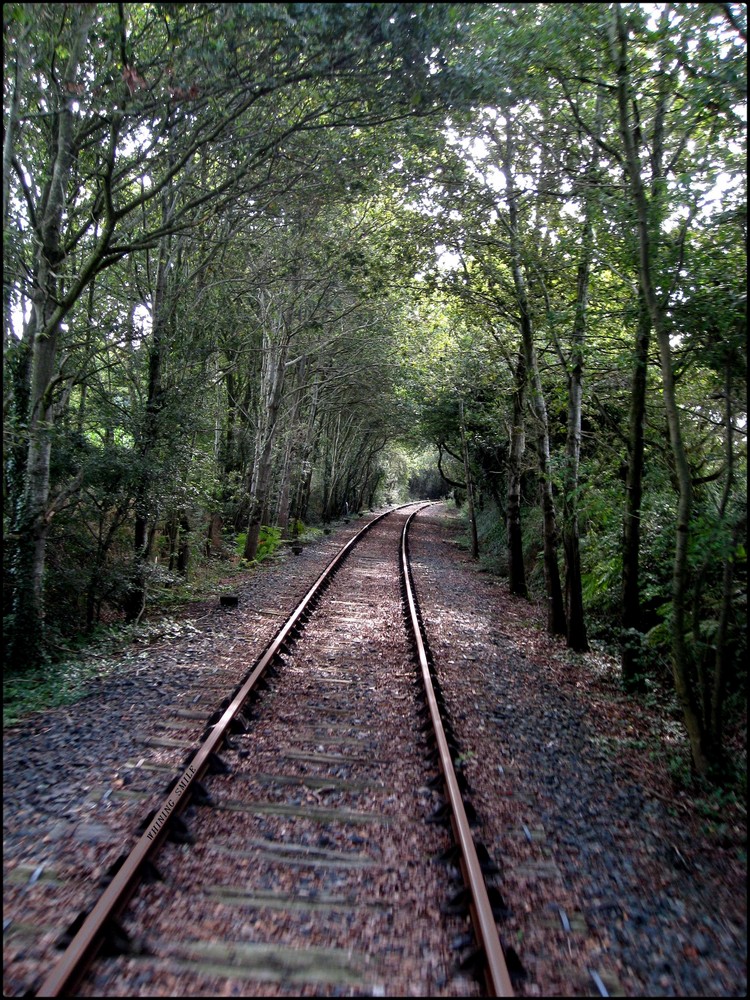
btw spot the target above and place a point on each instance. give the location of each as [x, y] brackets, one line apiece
[293, 769]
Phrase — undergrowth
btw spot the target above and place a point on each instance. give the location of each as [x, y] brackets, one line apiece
[74, 664]
[726, 793]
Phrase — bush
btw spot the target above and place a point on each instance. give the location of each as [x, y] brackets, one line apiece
[492, 537]
[268, 542]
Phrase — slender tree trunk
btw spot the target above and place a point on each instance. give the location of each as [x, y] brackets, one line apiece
[718, 685]
[26, 640]
[647, 240]
[18, 73]
[291, 452]
[183, 551]
[336, 443]
[272, 384]
[283, 508]
[469, 483]
[311, 435]
[326, 491]
[576, 624]
[555, 604]
[143, 531]
[516, 566]
[632, 670]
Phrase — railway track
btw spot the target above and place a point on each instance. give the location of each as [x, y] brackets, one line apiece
[295, 849]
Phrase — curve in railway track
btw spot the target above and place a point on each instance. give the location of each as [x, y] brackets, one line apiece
[316, 840]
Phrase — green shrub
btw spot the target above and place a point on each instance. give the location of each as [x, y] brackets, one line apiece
[268, 542]
[492, 536]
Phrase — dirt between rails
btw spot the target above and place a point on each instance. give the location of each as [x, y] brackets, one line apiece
[611, 881]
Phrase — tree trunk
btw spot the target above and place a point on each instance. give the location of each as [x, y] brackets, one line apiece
[516, 565]
[143, 533]
[632, 669]
[311, 434]
[555, 604]
[576, 624]
[26, 640]
[183, 551]
[714, 709]
[20, 60]
[213, 535]
[469, 483]
[272, 384]
[291, 452]
[648, 238]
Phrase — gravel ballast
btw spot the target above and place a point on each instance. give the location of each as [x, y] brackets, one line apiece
[611, 882]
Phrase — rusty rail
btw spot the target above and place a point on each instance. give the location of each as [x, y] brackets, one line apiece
[496, 971]
[87, 942]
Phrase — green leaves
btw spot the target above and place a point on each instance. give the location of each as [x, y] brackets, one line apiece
[335, 171]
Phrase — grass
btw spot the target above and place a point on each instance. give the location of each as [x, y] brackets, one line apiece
[79, 662]
[36, 690]
[68, 678]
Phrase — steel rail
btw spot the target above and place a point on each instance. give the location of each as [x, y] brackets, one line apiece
[87, 942]
[496, 971]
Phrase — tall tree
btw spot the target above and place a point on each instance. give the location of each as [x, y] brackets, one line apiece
[555, 607]
[32, 514]
[649, 212]
[101, 93]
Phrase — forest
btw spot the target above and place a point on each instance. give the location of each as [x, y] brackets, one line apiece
[268, 263]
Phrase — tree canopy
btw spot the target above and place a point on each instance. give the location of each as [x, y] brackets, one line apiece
[266, 263]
